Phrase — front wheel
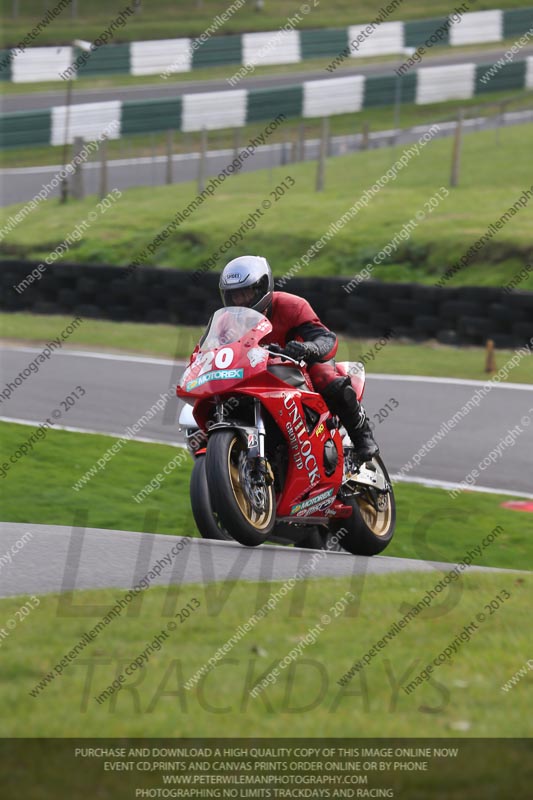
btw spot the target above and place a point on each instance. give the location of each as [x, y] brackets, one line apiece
[245, 507]
[371, 526]
[206, 522]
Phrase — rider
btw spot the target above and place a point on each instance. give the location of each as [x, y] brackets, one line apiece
[247, 281]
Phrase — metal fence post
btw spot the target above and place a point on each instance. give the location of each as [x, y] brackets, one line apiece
[301, 144]
[202, 161]
[456, 157]
[236, 146]
[321, 166]
[366, 136]
[77, 175]
[103, 168]
[170, 149]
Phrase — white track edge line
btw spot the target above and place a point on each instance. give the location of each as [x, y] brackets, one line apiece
[181, 362]
[429, 482]
[72, 429]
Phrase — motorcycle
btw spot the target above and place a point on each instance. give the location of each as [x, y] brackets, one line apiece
[274, 455]
[305, 536]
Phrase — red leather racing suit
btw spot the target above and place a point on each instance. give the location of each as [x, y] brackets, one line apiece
[293, 318]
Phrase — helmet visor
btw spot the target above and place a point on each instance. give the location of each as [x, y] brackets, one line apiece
[240, 297]
[247, 296]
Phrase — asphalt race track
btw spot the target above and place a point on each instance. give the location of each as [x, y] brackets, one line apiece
[94, 558]
[119, 389]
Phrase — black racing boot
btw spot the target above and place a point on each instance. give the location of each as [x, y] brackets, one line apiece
[342, 401]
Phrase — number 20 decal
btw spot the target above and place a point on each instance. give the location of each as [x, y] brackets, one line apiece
[224, 358]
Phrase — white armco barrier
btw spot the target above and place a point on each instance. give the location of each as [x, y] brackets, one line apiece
[153, 58]
[481, 26]
[387, 38]
[41, 64]
[334, 96]
[271, 47]
[437, 84]
[87, 120]
[214, 110]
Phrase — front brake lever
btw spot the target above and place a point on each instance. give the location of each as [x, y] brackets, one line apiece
[281, 354]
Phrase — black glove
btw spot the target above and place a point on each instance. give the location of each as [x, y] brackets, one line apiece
[302, 351]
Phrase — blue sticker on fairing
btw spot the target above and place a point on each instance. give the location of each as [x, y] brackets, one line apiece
[314, 501]
[216, 375]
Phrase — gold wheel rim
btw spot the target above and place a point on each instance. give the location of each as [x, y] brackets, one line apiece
[379, 522]
[257, 520]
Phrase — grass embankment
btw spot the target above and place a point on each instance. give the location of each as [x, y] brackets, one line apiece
[492, 179]
[168, 19]
[398, 358]
[59, 461]
[463, 698]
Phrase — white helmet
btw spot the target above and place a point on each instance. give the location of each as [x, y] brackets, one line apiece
[247, 281]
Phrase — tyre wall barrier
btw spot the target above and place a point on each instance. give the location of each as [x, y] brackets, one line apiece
[457, 315]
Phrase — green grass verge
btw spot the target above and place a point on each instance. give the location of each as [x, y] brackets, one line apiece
[398, 358]
[492, 179]
[430, 525]
[167, 19]
[462, 698]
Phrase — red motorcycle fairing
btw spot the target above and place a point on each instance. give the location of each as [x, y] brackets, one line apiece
[229, 363]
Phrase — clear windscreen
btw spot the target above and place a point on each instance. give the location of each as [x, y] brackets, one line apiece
[228, 325]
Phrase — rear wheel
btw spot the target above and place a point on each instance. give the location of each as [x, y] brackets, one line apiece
[371, 526]
[244, 507]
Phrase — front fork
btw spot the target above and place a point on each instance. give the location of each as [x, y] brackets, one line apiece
[261, 468]
[255, 441]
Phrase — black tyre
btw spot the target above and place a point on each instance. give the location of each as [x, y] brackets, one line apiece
[369, 530]
[229, 489]
[311, 539]
[206, 522]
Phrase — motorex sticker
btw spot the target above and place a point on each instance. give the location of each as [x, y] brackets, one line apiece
[216, 375]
